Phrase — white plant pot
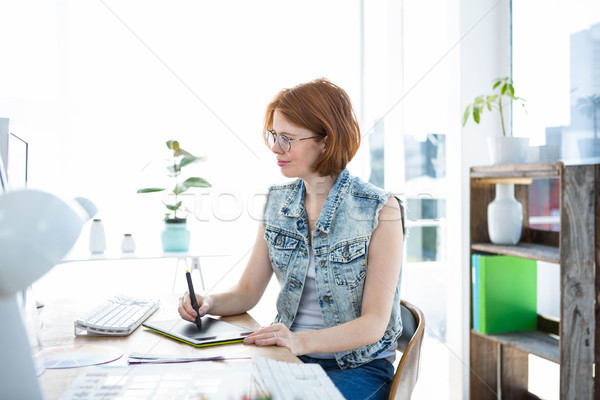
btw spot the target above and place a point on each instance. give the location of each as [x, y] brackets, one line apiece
[505, 216]
[127, 243]
[97, 237]
[508, 149]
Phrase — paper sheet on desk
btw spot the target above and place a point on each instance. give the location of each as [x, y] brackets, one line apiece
[141, 358]
[193, 380]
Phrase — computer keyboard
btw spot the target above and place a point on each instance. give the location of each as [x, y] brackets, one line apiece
[118, 316]
[282, 380]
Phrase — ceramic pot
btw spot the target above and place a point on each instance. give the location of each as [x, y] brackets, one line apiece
[127, 243]
[175, 236]
[505, 216]
[97, 237]
[508, 149]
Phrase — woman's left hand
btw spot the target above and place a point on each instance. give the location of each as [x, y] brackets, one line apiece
[275, 335]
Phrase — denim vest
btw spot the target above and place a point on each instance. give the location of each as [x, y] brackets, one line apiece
[340, 243]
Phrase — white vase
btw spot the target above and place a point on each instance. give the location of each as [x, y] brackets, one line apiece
[508, 149]
[128, 243]
[97, 237]
[505, 216]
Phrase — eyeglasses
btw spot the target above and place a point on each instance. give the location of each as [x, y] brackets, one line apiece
[284, 142]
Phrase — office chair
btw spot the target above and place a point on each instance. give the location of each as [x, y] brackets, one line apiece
[409, 343]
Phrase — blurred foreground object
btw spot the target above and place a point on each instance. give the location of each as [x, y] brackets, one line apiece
[37, 229]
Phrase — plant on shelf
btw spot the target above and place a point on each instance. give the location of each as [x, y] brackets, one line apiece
[179, 159]
[176, 237]
[504, 91]
[505, 213]
[505, 149]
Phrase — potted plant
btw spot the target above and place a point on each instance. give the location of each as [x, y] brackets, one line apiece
[504, 149]
[175, 236]
[504, 213]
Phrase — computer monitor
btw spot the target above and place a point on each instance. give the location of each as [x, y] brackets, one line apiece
[3, 180]
[3, 153]
[14, 158]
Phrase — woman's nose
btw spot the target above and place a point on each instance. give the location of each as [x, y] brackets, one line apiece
[276, 148]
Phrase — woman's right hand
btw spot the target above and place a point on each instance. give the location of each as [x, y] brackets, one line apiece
[187, 312]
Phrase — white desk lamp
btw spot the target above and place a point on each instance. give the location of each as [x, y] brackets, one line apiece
[37, 229]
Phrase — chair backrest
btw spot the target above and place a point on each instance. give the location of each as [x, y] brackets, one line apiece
[409, 343]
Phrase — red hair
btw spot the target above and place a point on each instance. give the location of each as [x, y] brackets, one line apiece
[325, 109]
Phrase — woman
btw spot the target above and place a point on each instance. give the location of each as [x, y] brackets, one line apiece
[334, 243]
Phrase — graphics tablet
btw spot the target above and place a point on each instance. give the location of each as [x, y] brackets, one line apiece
[213, 332]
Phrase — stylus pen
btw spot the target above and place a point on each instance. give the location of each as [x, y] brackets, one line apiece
[188, 276]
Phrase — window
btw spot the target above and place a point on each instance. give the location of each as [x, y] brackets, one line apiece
[556, 68]
[425, 168]
[408, 118]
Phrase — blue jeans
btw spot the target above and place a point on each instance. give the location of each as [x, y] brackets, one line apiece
[369, 381]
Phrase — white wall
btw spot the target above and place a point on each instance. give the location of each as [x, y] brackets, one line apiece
[98, 87]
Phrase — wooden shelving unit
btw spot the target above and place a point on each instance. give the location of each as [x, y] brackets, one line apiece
[499, 362]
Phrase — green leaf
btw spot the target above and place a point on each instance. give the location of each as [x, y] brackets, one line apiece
[186, 161]
[511, 90]
[150, 190]
[180, 188]
[173, 207]
[466, 115]
[196, 182]
[479, 100]
[498, 82]
[476, 112]
[504, 89]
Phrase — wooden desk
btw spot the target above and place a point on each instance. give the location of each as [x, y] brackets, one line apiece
[58, 315]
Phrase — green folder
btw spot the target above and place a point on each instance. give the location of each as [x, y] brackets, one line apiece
[504, 294]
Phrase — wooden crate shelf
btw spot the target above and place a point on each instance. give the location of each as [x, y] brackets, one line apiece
[515, 171]
[530, 251]
[538, 343]
[499, 362]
